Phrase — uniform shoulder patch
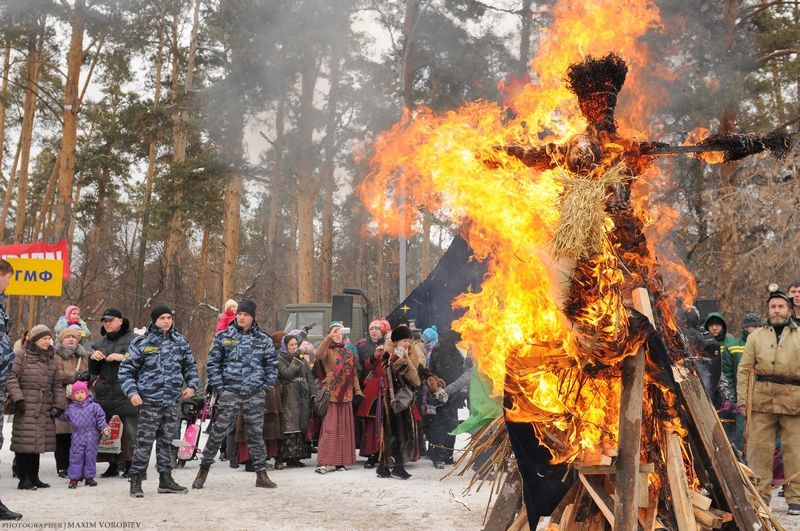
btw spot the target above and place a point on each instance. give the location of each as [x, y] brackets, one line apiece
[229, 342]
[148, 350]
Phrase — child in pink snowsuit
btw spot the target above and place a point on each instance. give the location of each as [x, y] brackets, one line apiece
[88, 421]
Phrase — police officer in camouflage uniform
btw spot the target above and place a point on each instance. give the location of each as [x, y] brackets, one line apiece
[6, 360]
[152, 376]
[242, 365]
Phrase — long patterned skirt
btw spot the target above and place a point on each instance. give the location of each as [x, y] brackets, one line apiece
[337, 438]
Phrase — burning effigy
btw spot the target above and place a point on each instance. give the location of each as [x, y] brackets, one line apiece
[575, 320]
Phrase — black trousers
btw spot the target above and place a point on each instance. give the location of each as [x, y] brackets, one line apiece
[27, 466]
[541, 482]
[63, 442]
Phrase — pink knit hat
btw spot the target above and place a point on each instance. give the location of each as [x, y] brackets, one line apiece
[69, 310]
[80, 386]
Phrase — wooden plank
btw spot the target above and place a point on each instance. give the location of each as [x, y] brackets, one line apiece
[725, 516]
[708, 519]
[717, 447]
[698, 500]
[610, 470]
[630, 427]
[594, 486]
[508, 503]
[678, 485]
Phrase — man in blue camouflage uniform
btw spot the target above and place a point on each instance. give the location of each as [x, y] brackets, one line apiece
[242, 365]
[152, 376]
[6, 360]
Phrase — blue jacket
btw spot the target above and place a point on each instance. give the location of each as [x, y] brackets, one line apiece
[242, 362]
[156, 367]
[6, 350]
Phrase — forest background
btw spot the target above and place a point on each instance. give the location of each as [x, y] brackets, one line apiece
[191, 151]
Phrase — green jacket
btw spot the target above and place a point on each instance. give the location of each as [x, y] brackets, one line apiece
[730, 350]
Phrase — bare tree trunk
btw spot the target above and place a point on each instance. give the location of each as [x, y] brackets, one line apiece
[525, 37]
[12, 181]
[33, 66]
[202, 264]
[327, 178]
[409, 61]
[230, 232]
[726, 286]
[66, 158]
[307, 185]
[47, 204]
[4, 102]
[426, 245]
[273, 263]
[92, 264]
[180, 132]
[152, 152]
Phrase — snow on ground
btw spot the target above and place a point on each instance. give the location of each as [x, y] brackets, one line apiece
[353, 499]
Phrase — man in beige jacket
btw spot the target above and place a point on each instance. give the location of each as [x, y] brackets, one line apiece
[773, 353]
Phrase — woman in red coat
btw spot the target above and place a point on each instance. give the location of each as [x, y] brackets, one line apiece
[371, 410]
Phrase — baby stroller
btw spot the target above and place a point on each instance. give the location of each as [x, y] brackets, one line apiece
[194, 411]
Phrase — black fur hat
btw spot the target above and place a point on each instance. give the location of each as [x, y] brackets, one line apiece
[400, 333]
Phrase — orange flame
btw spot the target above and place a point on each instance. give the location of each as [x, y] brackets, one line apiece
[508, 214]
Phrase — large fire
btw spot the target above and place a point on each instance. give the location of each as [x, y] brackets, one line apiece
[562, 373]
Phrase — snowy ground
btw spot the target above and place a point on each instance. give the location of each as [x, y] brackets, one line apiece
[352, 499]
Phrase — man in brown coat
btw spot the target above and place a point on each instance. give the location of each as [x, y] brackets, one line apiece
[773, 353]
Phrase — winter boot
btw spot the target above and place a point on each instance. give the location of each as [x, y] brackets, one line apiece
[400, 472]
[90, 482]
[262, 480]
[73, 483]
[8, 514]
[136, 486]
[111, 472]
[200, 480]
[383, 471]
[167, 485]
[371, 461]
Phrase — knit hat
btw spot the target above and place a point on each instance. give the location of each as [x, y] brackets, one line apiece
[80, 386]
[158, 311]
[230, 303]
[751, 319]
[307, 348]
[385, 326]
[70, 309]
[38, 332]
[70, 331]
[110, 313]
[335, 324]
[430, 334]
[248, 306]
[400, 333]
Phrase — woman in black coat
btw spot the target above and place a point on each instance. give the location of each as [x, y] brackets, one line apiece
[109, 351]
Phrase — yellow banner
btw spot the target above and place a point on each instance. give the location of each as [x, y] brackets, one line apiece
[31, 276]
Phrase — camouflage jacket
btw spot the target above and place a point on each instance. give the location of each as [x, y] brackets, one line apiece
[242, 362]
[157, 366]
[6, 350]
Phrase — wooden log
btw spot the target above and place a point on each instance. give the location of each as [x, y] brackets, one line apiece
[630, 427]
[751, 383]
[707, 518]
[507, 504]
[610, 470]
[678, 485]
[718, 448]
[698, 500]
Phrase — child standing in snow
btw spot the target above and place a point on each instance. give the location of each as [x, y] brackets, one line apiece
[88, 422]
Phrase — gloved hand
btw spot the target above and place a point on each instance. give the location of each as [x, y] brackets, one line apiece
[729, 406]
[441, 395]
[55, 412]
[82, 376]
[19, 407]
[357, 399]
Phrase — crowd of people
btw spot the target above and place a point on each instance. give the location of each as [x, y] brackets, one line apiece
[754, 382]
[392, 396]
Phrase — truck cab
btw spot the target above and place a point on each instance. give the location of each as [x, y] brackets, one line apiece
[319, 313]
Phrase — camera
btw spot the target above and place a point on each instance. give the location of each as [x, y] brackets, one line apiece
[345, 330]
